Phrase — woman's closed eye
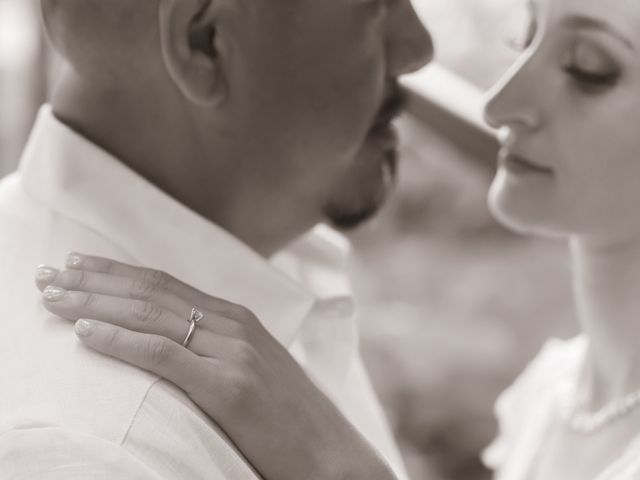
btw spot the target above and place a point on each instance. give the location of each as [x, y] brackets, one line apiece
[592, 78]
[591, 68]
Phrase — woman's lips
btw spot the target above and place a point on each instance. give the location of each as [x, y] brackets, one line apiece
[520, 165]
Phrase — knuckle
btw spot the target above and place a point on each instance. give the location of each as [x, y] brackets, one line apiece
[84, 300]
[81, 279]
[249, 332]
[243, 314]
[159, 350]
[240, 332]
[73, 279]
[239, 386]
[112, 338]
[142, 290]
[158, 279]
[244, 356]
[147, 312]
[105, 266]
[248, 315]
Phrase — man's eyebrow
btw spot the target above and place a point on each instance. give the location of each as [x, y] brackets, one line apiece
[590, 23]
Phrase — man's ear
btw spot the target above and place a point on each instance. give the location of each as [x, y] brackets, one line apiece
[187, 36]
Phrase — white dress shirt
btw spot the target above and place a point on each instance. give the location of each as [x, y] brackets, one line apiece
[67, 412]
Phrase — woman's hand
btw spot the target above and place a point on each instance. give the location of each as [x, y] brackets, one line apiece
[233, 369]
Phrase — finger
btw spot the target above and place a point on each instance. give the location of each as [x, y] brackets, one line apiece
[115, 286]
[162, 280]
[45, 276]
[131, 314]
[154, 353]
[140, 316]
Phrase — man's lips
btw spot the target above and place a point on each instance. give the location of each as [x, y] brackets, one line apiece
[394, 104]
[382, 129]
[385, 135]
[519, 164]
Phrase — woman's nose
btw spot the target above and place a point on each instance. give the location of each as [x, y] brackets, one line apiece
[512, 100]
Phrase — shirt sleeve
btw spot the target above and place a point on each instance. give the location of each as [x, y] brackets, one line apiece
[51, 453]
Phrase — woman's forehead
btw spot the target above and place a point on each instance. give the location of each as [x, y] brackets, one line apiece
[620, 15]
[620, 11]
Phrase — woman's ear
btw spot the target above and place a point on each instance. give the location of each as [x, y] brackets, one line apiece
[187, 37]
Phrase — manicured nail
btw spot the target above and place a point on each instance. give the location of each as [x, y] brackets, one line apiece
[74, 260]
[54, 294]
[84, 328]
[46, 274]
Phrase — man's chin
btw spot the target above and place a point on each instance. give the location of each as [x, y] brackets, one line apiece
[346, 215]
[345, 220]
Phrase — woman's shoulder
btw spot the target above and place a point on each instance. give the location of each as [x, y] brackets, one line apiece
[527, 400]
[556, 360]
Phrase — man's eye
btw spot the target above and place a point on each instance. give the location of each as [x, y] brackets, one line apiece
[591, 80]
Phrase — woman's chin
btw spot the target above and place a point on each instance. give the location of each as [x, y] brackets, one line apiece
[521, 215]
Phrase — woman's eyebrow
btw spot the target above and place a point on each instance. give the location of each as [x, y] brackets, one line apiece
[590, 23]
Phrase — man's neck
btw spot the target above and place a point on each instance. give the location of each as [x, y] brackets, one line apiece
[168, 154]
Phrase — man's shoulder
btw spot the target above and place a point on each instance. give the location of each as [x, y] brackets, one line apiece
[15, 204]
[166, 436]
[49, 378]
[57, 391]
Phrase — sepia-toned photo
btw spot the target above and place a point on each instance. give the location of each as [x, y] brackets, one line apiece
[319, 239]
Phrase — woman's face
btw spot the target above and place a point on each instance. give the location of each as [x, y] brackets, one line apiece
[570, 116]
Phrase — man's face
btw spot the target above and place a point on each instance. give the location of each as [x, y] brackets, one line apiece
[311, 92]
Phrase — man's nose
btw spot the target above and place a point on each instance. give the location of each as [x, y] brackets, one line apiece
[410, 46]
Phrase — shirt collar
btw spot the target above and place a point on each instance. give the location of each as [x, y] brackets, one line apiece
[77, 179]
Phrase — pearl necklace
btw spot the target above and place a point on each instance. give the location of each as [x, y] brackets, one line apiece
[573, 412]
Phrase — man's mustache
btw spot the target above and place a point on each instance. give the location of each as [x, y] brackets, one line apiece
[395, 103]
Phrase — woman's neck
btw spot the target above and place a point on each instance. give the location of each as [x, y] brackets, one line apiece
[607, 284]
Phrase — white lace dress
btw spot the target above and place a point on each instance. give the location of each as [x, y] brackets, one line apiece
[526, 409]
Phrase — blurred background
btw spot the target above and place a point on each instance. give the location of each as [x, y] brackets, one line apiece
[453, 305]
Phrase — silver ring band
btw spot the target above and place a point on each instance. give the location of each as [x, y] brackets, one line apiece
[196, 316]
[190, 333]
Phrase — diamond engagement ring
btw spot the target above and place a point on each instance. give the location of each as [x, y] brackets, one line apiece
[196, 316]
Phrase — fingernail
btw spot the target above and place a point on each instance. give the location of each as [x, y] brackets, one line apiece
[54, 294]
[46, 274]
[74, 260]
[84, 328]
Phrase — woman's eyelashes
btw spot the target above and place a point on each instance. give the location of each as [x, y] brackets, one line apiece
[586, 77]
[591, 68]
